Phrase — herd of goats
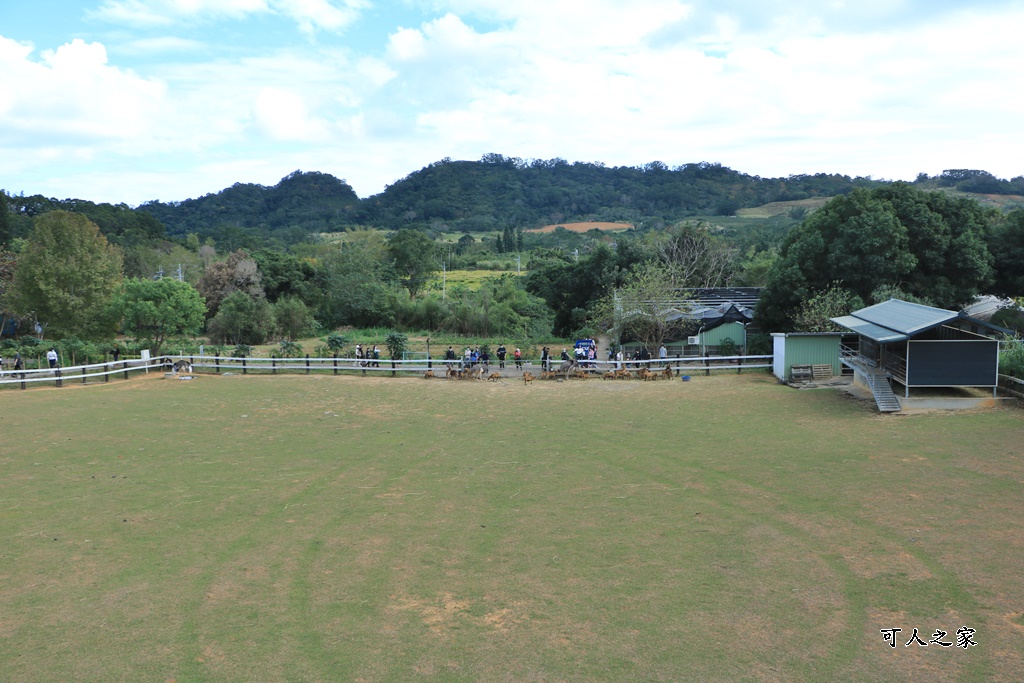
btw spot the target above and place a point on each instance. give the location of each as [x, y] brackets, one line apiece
[567, 369]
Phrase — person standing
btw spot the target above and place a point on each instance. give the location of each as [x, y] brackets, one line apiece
[663, 355]
[19, 365]
[51, 357]
[518, 356]
[545, 359]
[115, 352]
[565, 355]
[485, 360]
[501, 356]
[376, 356]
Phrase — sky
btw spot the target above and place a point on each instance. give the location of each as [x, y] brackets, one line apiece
[135, 100]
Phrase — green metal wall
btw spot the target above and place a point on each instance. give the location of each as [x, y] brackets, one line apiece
[813, 350]
[734, 331]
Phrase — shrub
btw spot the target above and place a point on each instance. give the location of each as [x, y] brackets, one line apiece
[336, 342]
[727, 347]
[1011, 357]
[288, 349]
[397, 343]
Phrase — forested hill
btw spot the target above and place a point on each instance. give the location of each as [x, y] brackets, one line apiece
[301, 202]
[474, 196]
[490, 194]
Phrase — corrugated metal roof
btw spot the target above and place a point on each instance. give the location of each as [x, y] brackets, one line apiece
[904, 317]
[869, 330]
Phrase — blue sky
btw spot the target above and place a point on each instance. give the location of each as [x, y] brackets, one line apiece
[131, 100]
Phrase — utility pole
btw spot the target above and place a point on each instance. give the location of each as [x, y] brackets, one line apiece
[444, 279]
[519, 266]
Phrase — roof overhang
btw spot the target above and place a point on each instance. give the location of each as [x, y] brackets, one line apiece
[880, 334]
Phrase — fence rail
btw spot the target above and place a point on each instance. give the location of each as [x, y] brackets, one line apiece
[103, 372]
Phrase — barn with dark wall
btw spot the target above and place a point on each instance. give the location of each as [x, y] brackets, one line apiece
[906, 346]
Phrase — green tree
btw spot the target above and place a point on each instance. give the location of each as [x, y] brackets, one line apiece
[292, 318]
[5, 220]
[360, 289]
[816, 313]
[925, 243]
[66, 276]
[415, 258]
[1007, 244]
[154, 310]
[241, 319]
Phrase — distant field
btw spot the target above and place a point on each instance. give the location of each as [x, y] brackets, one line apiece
[585, 226]
[780, 208]
[293, 528]
[469, 278]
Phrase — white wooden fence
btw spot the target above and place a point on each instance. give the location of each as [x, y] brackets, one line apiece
[104, 372]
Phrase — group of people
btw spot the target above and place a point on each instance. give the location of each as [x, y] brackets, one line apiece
[368, 358]
[641, 354]
[472, 357]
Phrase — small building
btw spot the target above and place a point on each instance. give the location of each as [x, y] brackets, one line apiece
[913, 346]
[805, 349]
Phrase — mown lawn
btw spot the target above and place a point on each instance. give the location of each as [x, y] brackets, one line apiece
[297, 528]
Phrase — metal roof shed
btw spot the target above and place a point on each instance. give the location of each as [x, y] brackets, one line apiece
[920, 346]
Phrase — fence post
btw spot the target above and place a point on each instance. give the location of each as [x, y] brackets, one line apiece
[393, 373]
[83, 375]
[59, 382]
[430, 365]
[216, 362]
[335, 362]
[126, 369]
[307, 363]
[707, 367]
[740, 369]
[106, 372]
[273, 366]
[244, 371]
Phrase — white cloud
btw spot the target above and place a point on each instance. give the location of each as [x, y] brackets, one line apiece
[283, 115]
[766, 88]
[310, 15]
[73, 97]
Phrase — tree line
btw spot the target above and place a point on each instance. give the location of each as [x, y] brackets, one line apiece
[90, 271]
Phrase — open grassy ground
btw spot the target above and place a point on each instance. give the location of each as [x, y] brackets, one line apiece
[585, 226]
[300, 528]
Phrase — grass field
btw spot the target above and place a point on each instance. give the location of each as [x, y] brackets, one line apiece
[300, 528]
